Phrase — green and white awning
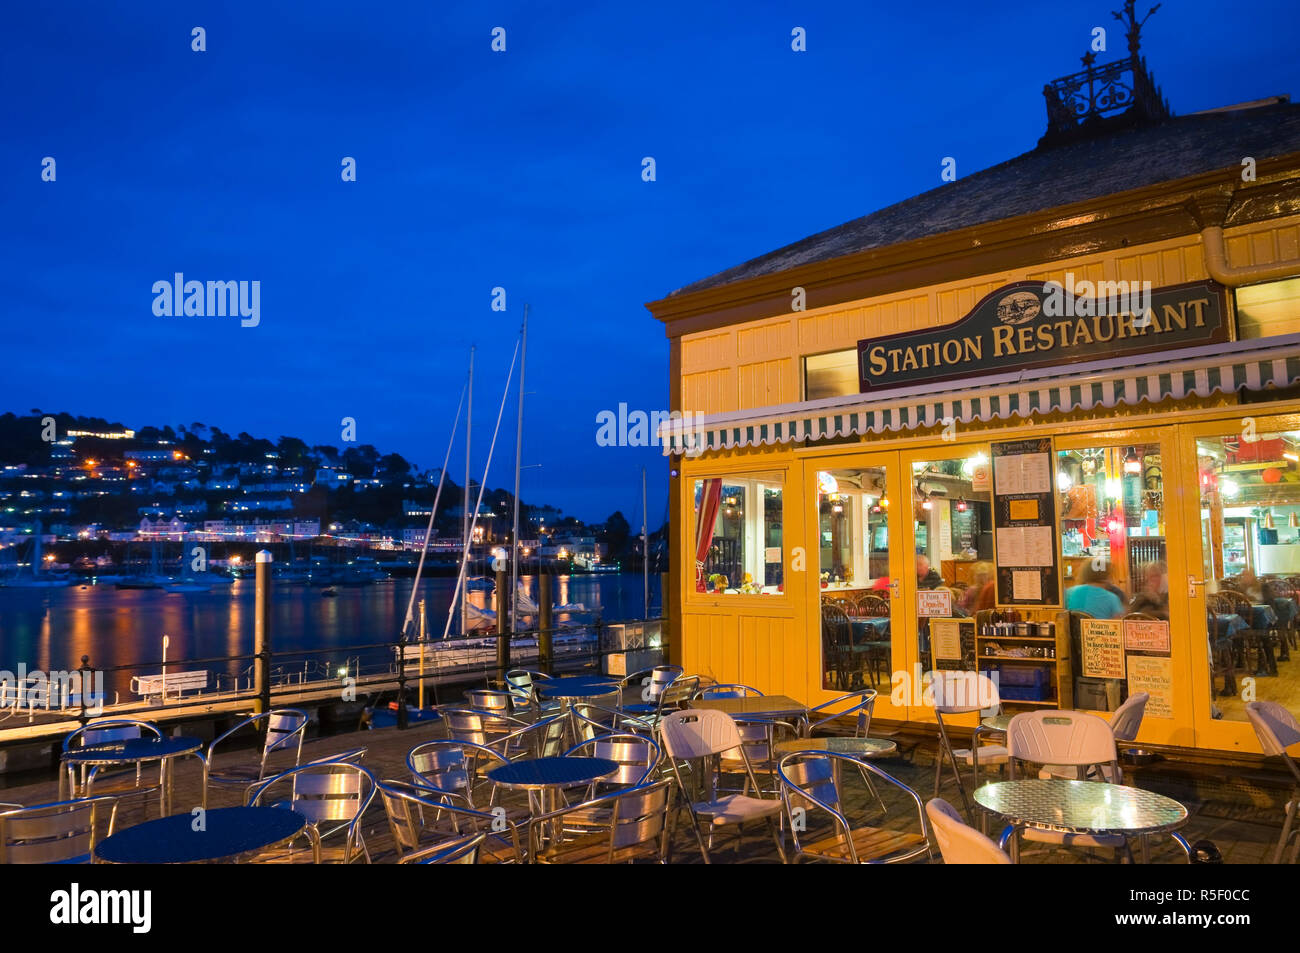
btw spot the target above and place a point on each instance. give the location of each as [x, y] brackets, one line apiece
[1254, 365]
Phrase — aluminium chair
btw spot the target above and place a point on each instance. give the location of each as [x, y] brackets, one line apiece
[333, 796]
[284, 729]
[958, 842]
[820, 827]
[636, 826]
[60, 833]
[424, 826]
[126, 781]
[455, 769]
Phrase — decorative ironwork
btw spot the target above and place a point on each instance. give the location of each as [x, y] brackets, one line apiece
[1081, 101]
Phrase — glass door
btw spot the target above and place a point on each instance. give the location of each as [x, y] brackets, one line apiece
[855, 570]
[1242, 527]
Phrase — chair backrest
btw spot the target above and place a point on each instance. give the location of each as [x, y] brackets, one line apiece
[1126, 721]
[1070, 738]
[592, 720]
[959, 692]
[450, 766]
[330, 791]
[809, 782]
[636, 756]
[860, 703]
[461, 852]
[523, 683]
[733, 690]
[547, 736]
[697, 733]
[678, 692]
[59, 833]
[109, 730]
[835, 626]
[660, 678]
[1277, 729]
[478, 727]
[958, 842]
[284, 728]
[489, 700]
[640, 815]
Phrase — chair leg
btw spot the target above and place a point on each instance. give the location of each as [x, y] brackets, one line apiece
[946, 747]
[1286, 830]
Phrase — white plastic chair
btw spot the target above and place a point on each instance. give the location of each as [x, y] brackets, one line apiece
[1277, 730]
[700, 736]
[958, 842]
[960, 693]
[1124, 725]
[1069, 739]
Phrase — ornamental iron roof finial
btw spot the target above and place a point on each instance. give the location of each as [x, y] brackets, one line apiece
[1134, 31]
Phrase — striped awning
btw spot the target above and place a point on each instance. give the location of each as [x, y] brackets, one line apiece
[1254, 365]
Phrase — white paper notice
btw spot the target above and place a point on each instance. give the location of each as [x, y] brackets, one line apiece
[1011, 546]
[1038, 546]
[1023, 473]
[1026, 585]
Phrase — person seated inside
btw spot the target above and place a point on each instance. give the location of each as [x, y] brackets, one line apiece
[1153, 599]
[1093, 594]
[926, 578]
[980, 593]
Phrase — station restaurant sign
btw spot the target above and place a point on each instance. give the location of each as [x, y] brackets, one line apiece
[1032, 324]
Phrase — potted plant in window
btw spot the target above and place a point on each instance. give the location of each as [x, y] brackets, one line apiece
[718, 582]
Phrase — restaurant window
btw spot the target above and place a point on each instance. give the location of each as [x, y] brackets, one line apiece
[853, 564]
[952, 530]
[1250, 541]
[830, 375]
[738, 534]
[1113, 559]
[1268, 309]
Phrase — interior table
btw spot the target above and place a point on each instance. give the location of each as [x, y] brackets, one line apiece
[1082, 807]
[755, 706]
[225, 834]
[136, 751]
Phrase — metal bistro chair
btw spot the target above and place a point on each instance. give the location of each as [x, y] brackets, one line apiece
[1069, 739]
[591, 720]
[498, 703]
[809, 788]
[842, 658]
[650, 683]
[637, 757]
[522, 685]
[455, 770]
[424, 827]
[332, 795]
[124, 782]
[502, 733]
[728, 690]
[958, 842]
[860, 703]
[463, 852]
[959, 693]
[699, 737]
[58, 833]
[637, 827]
[1277, 729]
[285, 729]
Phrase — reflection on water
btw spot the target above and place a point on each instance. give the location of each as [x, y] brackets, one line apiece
[51, 629]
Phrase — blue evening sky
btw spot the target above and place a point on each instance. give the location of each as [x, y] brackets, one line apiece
[479, 169]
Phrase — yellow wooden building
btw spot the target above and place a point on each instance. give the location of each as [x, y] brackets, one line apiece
[842, 471]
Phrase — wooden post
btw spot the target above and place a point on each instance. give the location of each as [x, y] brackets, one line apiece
[262, 633]
[422, 639]
[503, 618]
[545, 652]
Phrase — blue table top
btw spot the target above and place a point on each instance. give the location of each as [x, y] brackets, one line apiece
[133, 749]
[577, 686]
[552, 772]
[876, 624]
[227, 831]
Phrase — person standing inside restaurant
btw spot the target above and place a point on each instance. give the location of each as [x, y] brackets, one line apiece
[1153, 599]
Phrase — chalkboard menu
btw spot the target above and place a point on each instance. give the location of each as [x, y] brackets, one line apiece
[1024, 523]
[965, 529]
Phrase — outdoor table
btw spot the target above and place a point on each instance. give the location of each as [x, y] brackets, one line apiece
[755, 707]
[135, 751]
[997, 722]
[569, 687]
[226, 833]
[543, 778]
[1081, 807]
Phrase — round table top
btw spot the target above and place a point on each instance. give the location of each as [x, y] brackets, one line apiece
[576, 686]
[857, 747]
[226, 832]
[997, 722]
[1082, 807]
[536, 773]
[134, 749]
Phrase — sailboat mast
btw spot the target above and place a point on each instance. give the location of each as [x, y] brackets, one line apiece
[645, 550]
[469, 416]
[519, 446]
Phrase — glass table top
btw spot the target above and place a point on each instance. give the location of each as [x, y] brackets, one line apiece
[857, 747]
[1082, 806]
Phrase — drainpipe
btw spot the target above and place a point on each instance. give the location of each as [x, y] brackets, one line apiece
[1210, 210]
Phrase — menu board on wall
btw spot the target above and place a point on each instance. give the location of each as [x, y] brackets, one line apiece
[945, 639]
[1146, 635]
[1101, 645]
[1024, 523]
[1153, 674]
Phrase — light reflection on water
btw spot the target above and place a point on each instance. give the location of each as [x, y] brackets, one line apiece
[51, 629]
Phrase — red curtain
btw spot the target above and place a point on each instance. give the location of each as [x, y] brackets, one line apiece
[706, 515]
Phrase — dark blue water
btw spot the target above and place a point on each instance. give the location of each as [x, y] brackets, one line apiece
[51, 629]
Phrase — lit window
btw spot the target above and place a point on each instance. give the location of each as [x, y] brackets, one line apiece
[738, 522]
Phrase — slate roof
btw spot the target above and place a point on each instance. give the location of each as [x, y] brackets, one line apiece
[1047, 178]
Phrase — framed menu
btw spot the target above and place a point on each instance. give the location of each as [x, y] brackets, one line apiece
[1102, 647]
[1024, 523]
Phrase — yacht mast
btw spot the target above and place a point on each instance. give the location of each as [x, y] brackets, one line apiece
[645, 550]
[469, 416]
[519, 446]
